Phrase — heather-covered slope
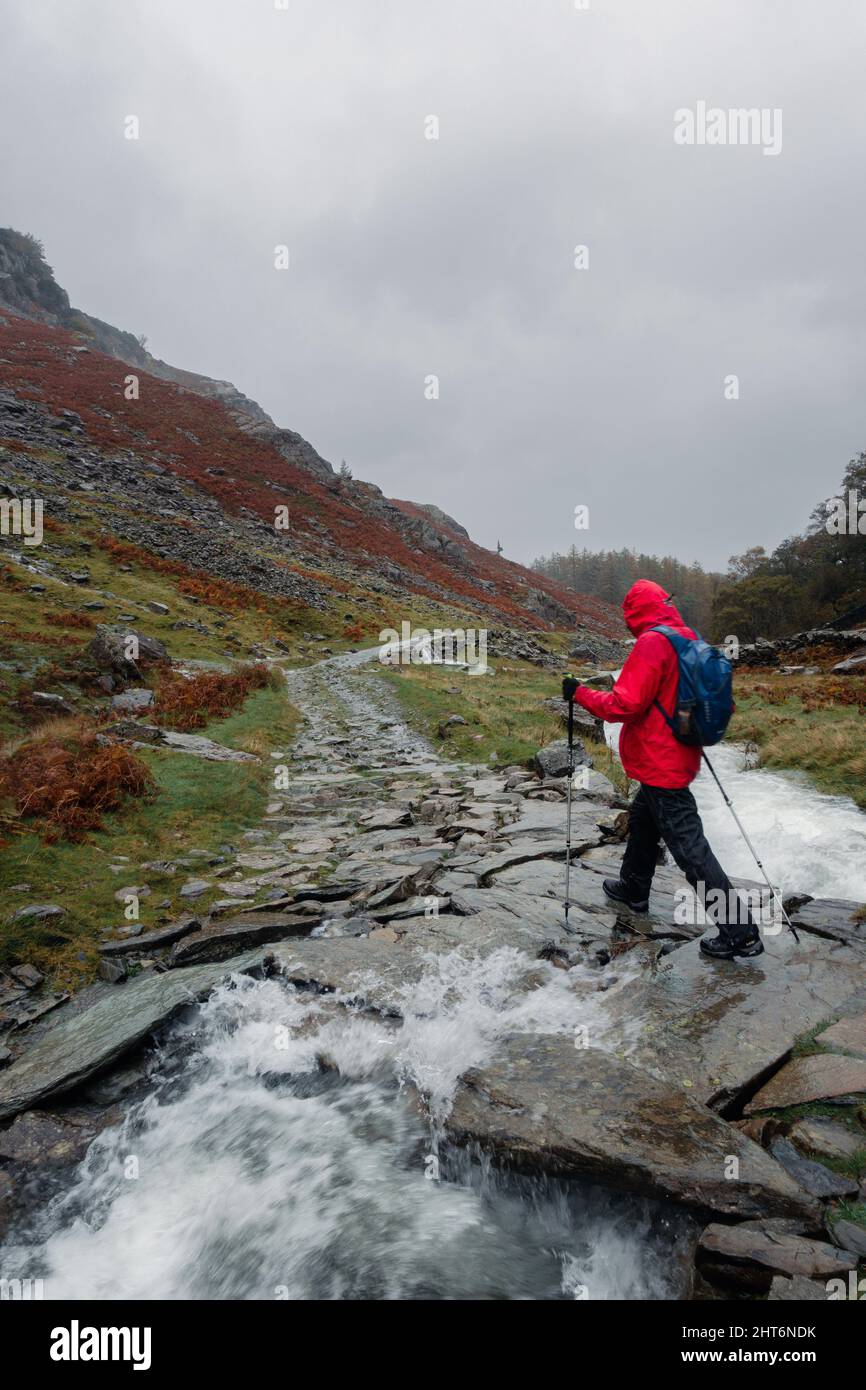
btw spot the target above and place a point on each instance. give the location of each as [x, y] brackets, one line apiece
[205, 433]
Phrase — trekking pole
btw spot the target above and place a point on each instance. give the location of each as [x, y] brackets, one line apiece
[741, 828]
[568, 810]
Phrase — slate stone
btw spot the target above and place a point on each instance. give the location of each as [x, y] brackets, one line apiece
[542, 912]
[816, 1135]
[38, 1137]
[411, 907]
[195, 887]
[490, 865]
[537, 819]
[848, 1035]
[850, 1237]
[37, 912]
[27, 975]
[812, 1176]
[833, 918]
[804, 1079]
[132, 701]
[552, 760]
[7, 1201]
[151, 735]
[224, 939]
[545, 1105]
[796, 1290]
[113, 972]
[80, 1045]
[388, 818]
[774, 1251]
[151, 941]
[717, 1027]
[326, 892]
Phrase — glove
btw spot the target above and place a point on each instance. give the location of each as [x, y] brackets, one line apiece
[569, 685]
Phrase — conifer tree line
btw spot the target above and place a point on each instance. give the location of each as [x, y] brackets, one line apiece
[809, 580]
[609, 574]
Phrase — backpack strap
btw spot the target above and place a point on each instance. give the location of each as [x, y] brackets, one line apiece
[677, 641]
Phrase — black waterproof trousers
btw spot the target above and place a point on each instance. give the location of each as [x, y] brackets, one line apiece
[671, 815]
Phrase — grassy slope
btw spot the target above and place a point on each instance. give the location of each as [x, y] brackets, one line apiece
[797, 724]
[199, 805]
[200, 442]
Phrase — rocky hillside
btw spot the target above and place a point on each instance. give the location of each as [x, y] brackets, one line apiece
[192, 470]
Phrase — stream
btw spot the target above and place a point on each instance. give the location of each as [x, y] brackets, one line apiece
[809, 842]
[260, 1175]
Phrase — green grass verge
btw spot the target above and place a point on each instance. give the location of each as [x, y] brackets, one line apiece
[827, 744]
[199, 805]
[850, 1211]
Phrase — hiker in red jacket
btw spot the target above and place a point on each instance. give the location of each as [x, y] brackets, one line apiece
[664, 808]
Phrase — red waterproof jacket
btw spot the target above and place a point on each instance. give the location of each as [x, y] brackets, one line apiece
[648, 749]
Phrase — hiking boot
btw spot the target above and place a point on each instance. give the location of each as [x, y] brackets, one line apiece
[616, 890]
[725, 947]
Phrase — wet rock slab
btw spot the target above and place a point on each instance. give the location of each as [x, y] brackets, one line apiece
[375, 968]
[834, 918]
[150, 941]
[849, 1035]
[227, 938]
[40, 1137]
[81, 1044]
[546, 1105]
[779, 1251]
[822, 1077]
[545, 913]
[813, 1177]
[716, 1028]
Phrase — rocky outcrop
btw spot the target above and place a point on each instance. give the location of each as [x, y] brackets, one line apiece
[28, 287]
[109, 651]
[546, 1105]
[82, 1044]
[822, 1077]
[27, 283]
[443, 519]
[228, 937]
[764, 652]
[290, 445]
[748, 1256]
[152, 736]
[837, 919]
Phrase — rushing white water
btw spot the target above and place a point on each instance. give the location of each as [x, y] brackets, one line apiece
[282, 1154]
[808, 842]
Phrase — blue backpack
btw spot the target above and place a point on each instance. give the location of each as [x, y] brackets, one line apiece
[705, 699]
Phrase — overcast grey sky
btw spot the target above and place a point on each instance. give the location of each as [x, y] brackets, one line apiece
[408, 256]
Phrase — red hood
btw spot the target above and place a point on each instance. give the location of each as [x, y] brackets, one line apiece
[644, 607]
